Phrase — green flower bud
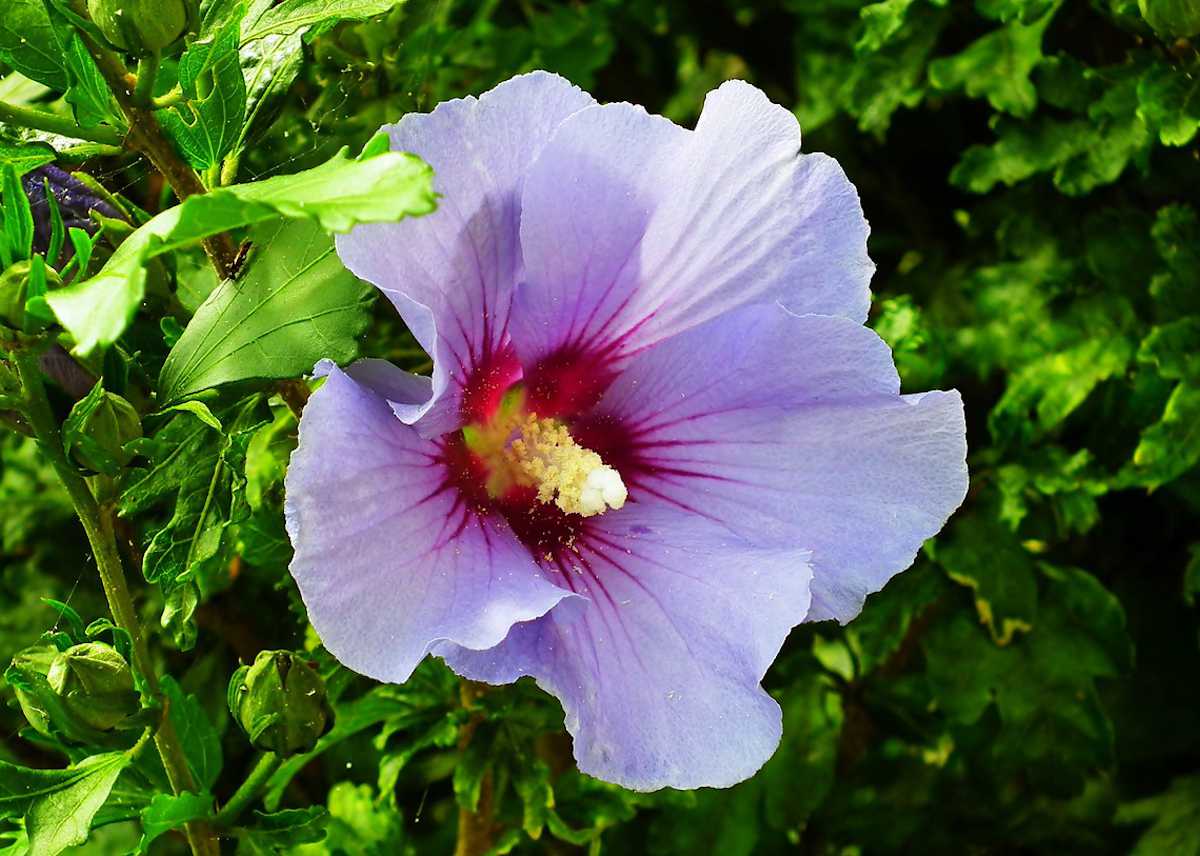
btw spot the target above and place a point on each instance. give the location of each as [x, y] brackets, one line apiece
[14, 290]
[280, 703]
[139, 25]
[97, 439]
[95, 684]
[1175, 19]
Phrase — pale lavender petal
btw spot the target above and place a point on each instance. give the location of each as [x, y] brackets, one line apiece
[791, 428]
[659, 671]
[634, 229]
[389, 560]
[451, 273]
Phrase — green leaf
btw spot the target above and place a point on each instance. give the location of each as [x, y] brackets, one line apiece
[1041, 394]
[18, 217]
[997, 66]
[198, 409]
[359, 823]
[338, 194]
[89, 95]
[292, 16]
[294, 305]
[171, 811]
[985, 556]
[200, 741]
[1169, 102]
[1174, 348]
[23, 158]
[205, 472]
[207, 125]
[1171, 446]
[32, 45]
[881, 21]
[1022, 150]
[59, 805]
[1042, 684]
[282, 829]
[1174, 818]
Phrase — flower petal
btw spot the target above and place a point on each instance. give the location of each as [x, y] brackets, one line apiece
[791, 428]
[388, 558]
[451, 273]
[659, 671]
[634, 229]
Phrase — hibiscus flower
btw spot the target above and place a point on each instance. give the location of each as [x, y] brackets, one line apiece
[656, 438]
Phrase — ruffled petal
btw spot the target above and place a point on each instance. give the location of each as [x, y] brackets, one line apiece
[791, 429]
[634, 229]
[658, 672]
[451, 273]
[388, 558]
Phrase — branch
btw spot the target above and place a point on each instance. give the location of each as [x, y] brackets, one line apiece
[146, 135]
[44, 120]
[98, 525]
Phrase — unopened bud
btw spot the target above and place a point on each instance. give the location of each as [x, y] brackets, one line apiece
[139, 25]
[280, 703]
[105, 427]
[95, 684]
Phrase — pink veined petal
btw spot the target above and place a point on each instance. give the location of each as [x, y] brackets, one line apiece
[791, 429]
[634, 229]
[451, 273]
[658, 672]
[388, 559]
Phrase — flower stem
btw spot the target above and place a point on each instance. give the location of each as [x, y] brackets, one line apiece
[98, 525]
[146, 135]
[250, 790]
[44, 120]
[147, 72]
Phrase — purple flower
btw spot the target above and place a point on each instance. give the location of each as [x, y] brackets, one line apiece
[75, 201]
[657, 435]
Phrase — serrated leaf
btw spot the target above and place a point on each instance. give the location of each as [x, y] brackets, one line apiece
[997, 66]
[89, 95]
[196, 542]
[338, 194]
[293, 16]
[1171, 446]
[984, 556]
[206, 126]
[1042, 684]
[295, 305]
[1169, 102]
[31, 44]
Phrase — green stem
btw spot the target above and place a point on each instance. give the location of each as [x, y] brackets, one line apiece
[43, 120]
[97, 523]
[250, 790]
[147, 71]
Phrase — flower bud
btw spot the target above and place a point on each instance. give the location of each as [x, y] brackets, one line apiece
[95, 684]
[1176, 19]
[139, 25]
[103, 432]
[280, 703]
